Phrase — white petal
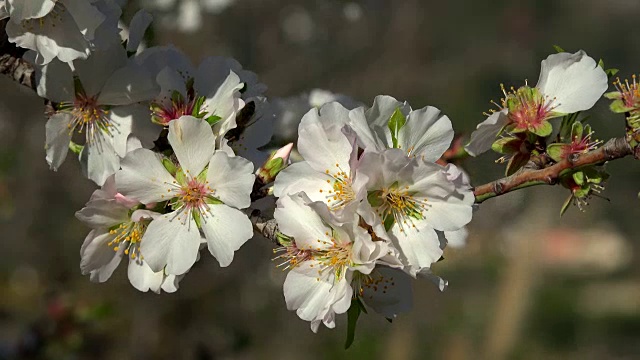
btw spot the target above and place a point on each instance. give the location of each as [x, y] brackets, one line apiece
[324, 148]
[58, 137]
[574, 81]
[97, 258]
[420, 246]
[486, 132]
[226, 230]
[222, 96]
[170, 81]
[426, 134]
[173, 241]
[144, 178]
[300, 177]
[95, 71]
[367, 139]
[379, 114]
[121, 118]
[86, 16]
[55, 82]
[138, 26]
[390, 294]
[299, 221]
[103, 213]
[128, 85]
[99, 160]
[457, 238]
[193, 143]
[142, 277]
[232, 179]
[21, 10]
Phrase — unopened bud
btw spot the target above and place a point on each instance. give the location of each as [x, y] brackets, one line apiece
[277, 161]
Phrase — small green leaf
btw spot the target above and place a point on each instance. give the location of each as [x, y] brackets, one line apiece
[566, 204]
[177, 97]
[396, 122]
[352, 319]
[613, 95]
[601, 64]
[618, 107]
[170, 166]
[75, 148]
[197, 107]
[576, 131]
[556, 151]
[213, 201]
[213, 119]
[578, 177]
[197, 218]
[611, 72]
[506, 145]
[558, 48]
[374, 198]
[388, 222]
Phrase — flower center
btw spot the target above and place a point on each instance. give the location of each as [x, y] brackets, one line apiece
[88, 117]
[630, 92]
[291, 256]
[164, 110]
[193, 196]
[128, 235]
[336, 258]
[528, 107]
[398, 205]
[340, 193]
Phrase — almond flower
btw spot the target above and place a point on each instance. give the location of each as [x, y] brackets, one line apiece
[332, 261]
[118, 226]
[204, 191]
[568, 83]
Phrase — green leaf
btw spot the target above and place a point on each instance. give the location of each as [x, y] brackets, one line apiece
[197, 107]
[388, 222]
[396, 122]
[566, 204]
[213, 119]
[611, 72]
[75, 148]
[544, 129]
[555, 151]
[352, 319]
[170, 166]
[558, 48]
[374, 198]
[578, 177]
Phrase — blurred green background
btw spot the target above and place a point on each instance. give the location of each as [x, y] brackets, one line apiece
[528, 285]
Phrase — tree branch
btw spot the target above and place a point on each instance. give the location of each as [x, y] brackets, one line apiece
[11, 62]
[613, 149]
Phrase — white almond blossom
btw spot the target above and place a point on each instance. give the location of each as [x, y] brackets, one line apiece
[328, 172]
[205, 191]
[389, 123]
[568, 83]
[62, 29]
[413, 198]
[118, 225]
[332, 261]
[100, 104]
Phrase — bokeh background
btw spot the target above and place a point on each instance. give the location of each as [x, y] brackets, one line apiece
[529, 284]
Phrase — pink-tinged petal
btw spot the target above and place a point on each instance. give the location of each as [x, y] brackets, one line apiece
[231, 178]
[144, 178]
[226, 230]
[193, 143]
[103, 213]
[173, 241]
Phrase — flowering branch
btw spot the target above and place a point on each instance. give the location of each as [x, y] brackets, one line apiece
[526, 177]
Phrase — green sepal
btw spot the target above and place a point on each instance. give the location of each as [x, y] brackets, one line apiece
[274, 166]
[213, 201]
[558, 49]
[577, 130]
[618, 107]
[396, 122]
[197, 107]
[544, 129]
[170, 166]
[566, 204]
[517, 161]
[565, 127]
[614, 95]
[611, 72]
[578, 177]
[75, 148]
[77, 85]
[176, 97]
[506, 145]
[556, 151]
[197, 218]
[213, 119]
[389, 220]
[374, 198]
[181, 177]
[353, 314]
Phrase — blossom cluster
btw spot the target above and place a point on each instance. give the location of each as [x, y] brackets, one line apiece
[368, 206]
[176, 151]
